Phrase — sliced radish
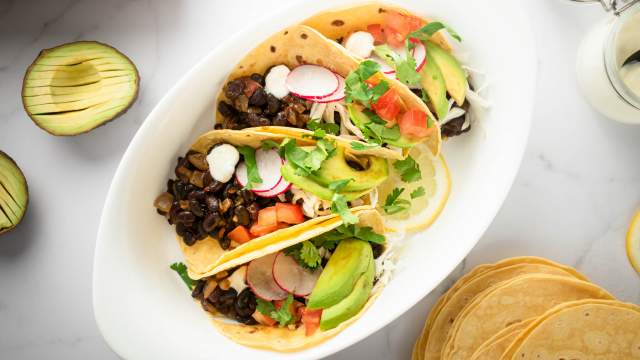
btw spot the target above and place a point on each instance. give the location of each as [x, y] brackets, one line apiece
[260, 279]
[312, 82]
[336, 96]
[419, 53]
[269, 163]
[282, 187]
[292, 277]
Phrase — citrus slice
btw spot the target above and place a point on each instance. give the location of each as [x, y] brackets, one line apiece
[423, 209]
[633, 242]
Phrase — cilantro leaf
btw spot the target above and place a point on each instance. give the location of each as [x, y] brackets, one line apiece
[379, 90]
[305, 253]
[393, 204]
[362, 146]
[427, 31]
[408, 169]
[418, 192]
[249, 155]
[307, 161]
[338, 185]
[282, 315]
[339, 206]
[326, 128]
[330, 239]
[356, 89]
[406, 71]
[269, 144]
[181, 269]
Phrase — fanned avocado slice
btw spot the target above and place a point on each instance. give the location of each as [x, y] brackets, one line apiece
[74, 88]
[14, 194]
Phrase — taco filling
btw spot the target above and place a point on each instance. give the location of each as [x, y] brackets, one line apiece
[316, 284]
[235, 193]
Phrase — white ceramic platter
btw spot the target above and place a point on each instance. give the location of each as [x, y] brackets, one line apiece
[143, 309]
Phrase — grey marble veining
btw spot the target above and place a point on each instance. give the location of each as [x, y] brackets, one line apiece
[572, 200]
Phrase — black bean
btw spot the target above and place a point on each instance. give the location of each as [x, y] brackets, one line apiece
[214, 187]
[247, 195]
[199, 161]
[378, 249]
[208, 179]
[225, 205]
[180, 229]
[226, 109]
[259, 97]
[234, 89]
[230, 190]
[188, 238]
[257, 78]
[273, 104]
[173, 213]
[179, 190]
[197, 290]
[212, 202]
[253, 211]
[245, 303]
[185, 217]
[242, 215]
[225, 242]
[170, 187]
[211, 221]
[200, 234]
[197, 195]
[223, 300]
[280, 119]
[196, 208]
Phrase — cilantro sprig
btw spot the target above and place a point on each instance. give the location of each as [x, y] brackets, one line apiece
[320, 128]
[330, 239]
[282, 315]
[269, 144]
[253, 176]
[359, 146]
[181, 269]
[393, 204]
[376, 130]
[307, 161]
[408, 169]
[418, 192]
[427, 31]
[356, 89]
[305, 253]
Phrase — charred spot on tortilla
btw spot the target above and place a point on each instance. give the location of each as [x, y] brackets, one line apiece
[337, 22]
[286, 32]
[381, 10]
[304, 36]
[299, 59]
[273, 49]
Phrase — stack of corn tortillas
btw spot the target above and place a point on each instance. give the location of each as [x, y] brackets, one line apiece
[528, 308]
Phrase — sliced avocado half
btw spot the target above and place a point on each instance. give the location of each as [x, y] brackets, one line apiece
[433, 83]
[455, 78]
[350, 260]
[319, 190]
[14, 194]
[375, 171]
[360, 119]
[74, 88]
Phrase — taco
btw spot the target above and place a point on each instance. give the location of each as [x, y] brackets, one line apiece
[408, 48]
[299, 83]
[237, 191]
[301, 290]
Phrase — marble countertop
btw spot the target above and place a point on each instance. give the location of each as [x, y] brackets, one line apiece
[572, 200]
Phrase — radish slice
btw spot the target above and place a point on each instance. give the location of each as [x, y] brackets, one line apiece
[282, 187]
[269, 163]
[419, 53]
[260, 279]
[336, 96]
[312, 82]
[292, 277]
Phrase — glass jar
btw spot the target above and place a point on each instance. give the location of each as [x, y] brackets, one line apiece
[610, 83]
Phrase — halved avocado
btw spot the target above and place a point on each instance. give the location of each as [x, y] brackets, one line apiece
[14, 194]
[74, 88]
[289, 173]
[433, 83]
[455, 78]
[337, 168]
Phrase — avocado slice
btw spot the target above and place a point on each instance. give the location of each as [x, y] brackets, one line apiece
[14, 195]
[346, 265]
[360, 119]
[352, 304]
[319, 190]
[433, 84]
[73, 88]
[455, 78]
[337, 168]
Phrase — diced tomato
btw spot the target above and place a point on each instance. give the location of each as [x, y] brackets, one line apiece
[289, 213]
[388, 106]
[260, 230]
[377, 31]
[240, 234]
[263, 319]
[311, 320]
[413, 124]
[397, 26]
[267, 216]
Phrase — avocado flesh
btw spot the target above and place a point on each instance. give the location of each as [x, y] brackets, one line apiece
[13, 193]
[454, 76]
[433, 84]
[74, 88]
[319, 190]
[346, 265]
[360, 119]
[336, 168]
[352, 304]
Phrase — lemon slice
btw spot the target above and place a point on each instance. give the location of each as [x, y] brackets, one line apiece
[424, 209]
[633, 242]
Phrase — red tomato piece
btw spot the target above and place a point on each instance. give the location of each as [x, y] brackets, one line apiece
[240, 235]
[261, 230]
[377, 31]
[413, 124]
[289, 213]
[388, 105]
[311, 320]
[397, 26]
[267, 216]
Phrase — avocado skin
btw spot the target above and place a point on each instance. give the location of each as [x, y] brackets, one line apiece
[454, 76]
[360, 118]
[319, 190]
[434, 85]
[12, 178]
[352, 304]
[336, 168]
[347, 264]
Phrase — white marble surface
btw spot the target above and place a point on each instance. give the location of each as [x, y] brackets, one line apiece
[571, 202]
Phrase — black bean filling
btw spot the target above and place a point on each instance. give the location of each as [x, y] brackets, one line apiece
[249, 105]
[454, 126]
[199, 206]
[228, 302]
